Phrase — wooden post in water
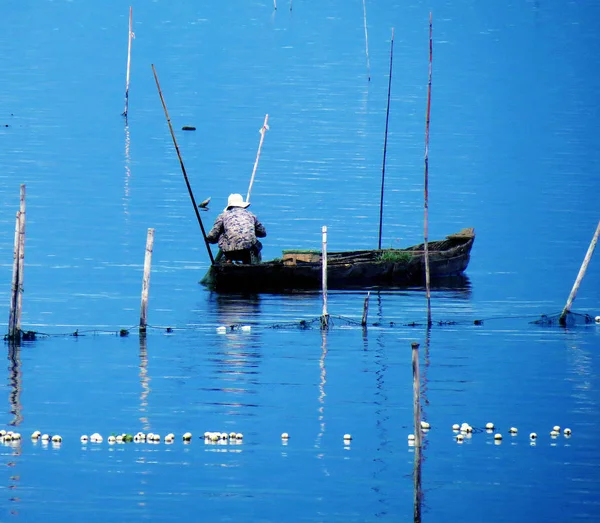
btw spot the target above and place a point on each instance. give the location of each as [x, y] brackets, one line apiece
[416, 393]
[128, 62]
[366, 40]
[21, 271]
[563, 317]
[262, 131]
[146, 280]
[387, 117]
[13, 333]
[426, 219]
[363, 322]
[325, 315]
[275, 5]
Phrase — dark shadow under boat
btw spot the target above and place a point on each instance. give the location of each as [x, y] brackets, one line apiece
[365, 269]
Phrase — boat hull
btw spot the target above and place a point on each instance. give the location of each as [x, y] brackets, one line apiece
[348, 270]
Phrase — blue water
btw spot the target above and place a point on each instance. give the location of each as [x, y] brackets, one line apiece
[513, 153]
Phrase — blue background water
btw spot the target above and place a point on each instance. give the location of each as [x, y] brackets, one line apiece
[513, 153]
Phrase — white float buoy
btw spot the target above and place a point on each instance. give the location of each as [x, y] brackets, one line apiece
[533, 435]
[411, 437]
[187, 436]
[567, 432]
[45, 437]
[425, 425]
[554, 433]
[56, 439]
[111, 440]
[460, 438]
[498, 436]
[489, 426]
[347, 437]
[556, 428]
[456, 426]
[597, 319]
[221, 330]
[513, 430]
[285, 435]
[84, 438]
[36, 434]
[246, 328]
[239, 435]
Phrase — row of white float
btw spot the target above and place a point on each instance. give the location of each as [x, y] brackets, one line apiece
[465, 431]
[140, 437]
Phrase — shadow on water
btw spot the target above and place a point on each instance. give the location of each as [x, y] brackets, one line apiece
[237, 355]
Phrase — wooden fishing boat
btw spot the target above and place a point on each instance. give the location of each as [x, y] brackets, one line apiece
[385, 268]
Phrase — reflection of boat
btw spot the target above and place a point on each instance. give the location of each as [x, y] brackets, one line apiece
[301, 270]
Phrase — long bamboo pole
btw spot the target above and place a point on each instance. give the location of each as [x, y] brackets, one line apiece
[426, 217]
[128, 62]
[563, 317]
[210, 255]
[387, 117]
[146, 280]
[21, 271]
[263, 131]
[367, 40]
[12, 332]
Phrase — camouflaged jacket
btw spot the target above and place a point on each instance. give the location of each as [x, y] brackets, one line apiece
[236, 229]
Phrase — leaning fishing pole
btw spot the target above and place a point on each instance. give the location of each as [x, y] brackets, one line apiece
[210, 255]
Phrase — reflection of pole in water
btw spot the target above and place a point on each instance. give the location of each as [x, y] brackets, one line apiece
[127, 171]
[323, 375]
[145, 382]
[14, 368]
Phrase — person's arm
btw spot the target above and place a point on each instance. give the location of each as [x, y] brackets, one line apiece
[216, 231]
[259, 229]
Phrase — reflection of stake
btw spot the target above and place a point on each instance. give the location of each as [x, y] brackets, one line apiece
[210, 255]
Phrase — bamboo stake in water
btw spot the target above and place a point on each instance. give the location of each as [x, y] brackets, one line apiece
[387, 117]
[128, 62]
[189, 188]
[580, 275]
[275, 4]
[416, 393]
[426, 219]
[146, 280]
[290, 5]
[12, 332]
[262, 131]
[21, 271]
[418, 492]
[365, 310]
[325, 316]
[367, 40]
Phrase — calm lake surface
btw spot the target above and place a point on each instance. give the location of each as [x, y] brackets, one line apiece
[514, 153]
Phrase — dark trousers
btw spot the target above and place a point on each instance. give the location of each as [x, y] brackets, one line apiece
[247, 256]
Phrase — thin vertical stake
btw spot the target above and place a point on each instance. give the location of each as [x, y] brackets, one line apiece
[416, 393]
[426, 217]
[128, 62]
[15, 283]
[582, 269]
[366, 40]
[387, 117]
[325, 316]
[146, 280]
[21, 271]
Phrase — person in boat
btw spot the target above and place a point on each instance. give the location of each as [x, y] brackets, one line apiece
[237, 230]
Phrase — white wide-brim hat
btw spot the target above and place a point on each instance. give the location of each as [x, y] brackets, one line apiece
[236, 200]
